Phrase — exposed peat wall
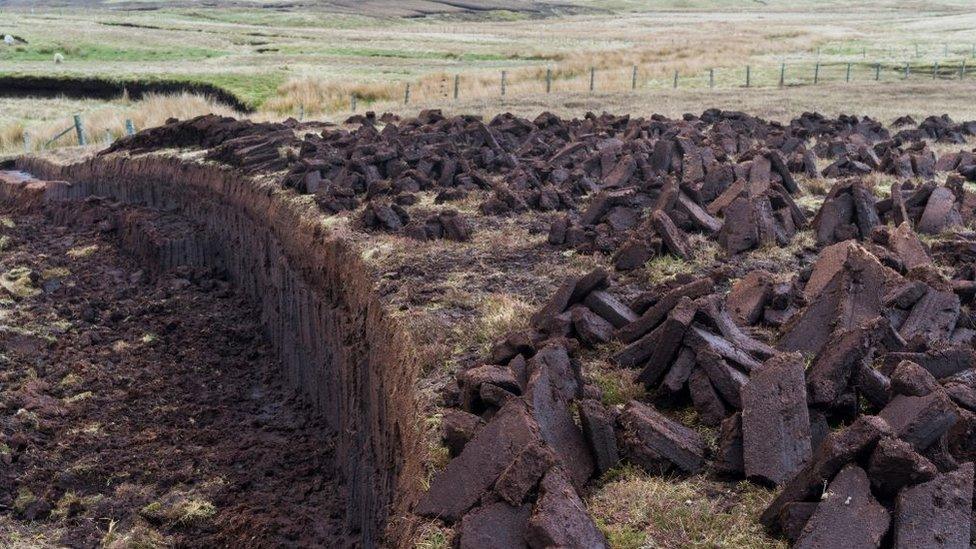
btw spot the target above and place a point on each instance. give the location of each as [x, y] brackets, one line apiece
[90, 87]
[336, 342]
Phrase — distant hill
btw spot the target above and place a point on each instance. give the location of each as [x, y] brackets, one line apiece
[388, 8]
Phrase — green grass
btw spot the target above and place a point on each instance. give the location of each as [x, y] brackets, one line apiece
[252, 89]
[617, 386]
[265, 18]
[93, 52]
[635, 509]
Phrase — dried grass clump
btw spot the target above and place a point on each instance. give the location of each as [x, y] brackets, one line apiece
[105, 123]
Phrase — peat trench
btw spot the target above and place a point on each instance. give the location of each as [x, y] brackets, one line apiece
[89, 87]
[310, 457]
[142, 406]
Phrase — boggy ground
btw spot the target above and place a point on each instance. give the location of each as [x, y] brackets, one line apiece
[140, 412]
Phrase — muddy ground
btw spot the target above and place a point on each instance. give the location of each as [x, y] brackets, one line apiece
[140, 412]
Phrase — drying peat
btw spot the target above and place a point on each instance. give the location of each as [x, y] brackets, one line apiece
[821, 326]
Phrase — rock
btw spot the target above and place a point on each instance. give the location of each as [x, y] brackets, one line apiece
[910, 379]
[775, 420]
[895, 464]
[457, 428]
[658, 444]
[936, 513]
[466, 478]
[559, 518]
[591, 328]
[709, 405]
[837, 450]
[494, 526]
[749, 296]
[920, 421]
[609, 308]
[848, 516]
[598, 428]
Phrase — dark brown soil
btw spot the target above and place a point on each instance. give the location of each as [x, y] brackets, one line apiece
[145, 411]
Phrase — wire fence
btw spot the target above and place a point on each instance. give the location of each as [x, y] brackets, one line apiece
[618, 80]
[77, 127]
[637, 78]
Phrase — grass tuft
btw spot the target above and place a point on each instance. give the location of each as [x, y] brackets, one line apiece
[635, 509]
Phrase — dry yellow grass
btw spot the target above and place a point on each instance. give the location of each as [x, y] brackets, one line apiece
[107, 122]
[637, 510]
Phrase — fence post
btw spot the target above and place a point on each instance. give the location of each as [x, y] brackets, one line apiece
[748, 76]
[908, 69]
[130, 128]
[503, 82]
[301, 112]
[592, 78]
[711, 78]
[848, 77]
[816, 73]
[457, 85]
[935, 69]
[675, 85]
[79, 130]
[352, 101]
[782, 74]
[548, 79]
[864, 52]
[877, 72]
[633, 79]
[962, 69]
[406, 94]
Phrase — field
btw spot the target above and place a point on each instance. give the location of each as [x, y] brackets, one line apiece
[296, 60]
